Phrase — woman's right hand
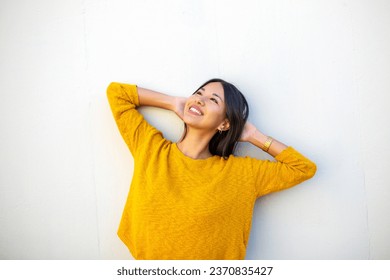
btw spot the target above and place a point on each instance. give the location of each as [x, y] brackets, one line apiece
[178, 106]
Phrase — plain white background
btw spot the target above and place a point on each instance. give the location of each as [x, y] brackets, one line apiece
[316, 75]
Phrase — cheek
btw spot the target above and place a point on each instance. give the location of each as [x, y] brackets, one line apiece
[219, 114]
[188, 100]
[221, 111]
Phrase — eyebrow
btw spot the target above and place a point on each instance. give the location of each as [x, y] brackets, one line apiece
[214, 94]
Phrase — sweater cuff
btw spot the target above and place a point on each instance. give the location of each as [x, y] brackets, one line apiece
[285, 153]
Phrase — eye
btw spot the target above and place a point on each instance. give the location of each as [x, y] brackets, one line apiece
[214, 100]
[198, 93]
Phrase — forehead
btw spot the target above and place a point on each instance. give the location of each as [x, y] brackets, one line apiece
[214, 87]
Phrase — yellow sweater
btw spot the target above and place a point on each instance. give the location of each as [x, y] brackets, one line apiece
[182, 208]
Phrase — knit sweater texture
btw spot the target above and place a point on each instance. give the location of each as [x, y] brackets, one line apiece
[184, 208]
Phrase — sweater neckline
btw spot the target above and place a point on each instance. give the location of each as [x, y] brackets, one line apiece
[192, 160]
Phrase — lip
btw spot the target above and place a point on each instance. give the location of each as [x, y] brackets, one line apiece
[196, 108]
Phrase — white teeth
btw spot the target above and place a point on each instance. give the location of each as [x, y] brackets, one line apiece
[192, 109]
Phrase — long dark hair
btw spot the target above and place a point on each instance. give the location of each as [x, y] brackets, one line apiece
[237, 110]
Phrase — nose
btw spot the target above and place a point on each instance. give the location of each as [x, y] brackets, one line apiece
[199, 100]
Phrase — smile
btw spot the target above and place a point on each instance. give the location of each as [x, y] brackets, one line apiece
[196, 111]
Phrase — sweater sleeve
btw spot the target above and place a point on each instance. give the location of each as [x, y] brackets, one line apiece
[290, 169]
[135, 130]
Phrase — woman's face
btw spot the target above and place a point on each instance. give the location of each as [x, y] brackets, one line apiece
[206, 108]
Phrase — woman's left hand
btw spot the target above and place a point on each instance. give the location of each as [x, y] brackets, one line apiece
[248, 132]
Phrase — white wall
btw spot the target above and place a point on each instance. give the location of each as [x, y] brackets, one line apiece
[317, 76]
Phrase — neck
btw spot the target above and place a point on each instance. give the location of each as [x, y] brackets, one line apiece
[195, 144]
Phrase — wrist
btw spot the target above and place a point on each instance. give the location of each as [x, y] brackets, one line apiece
[261, 140]
[267, 144]
[257, 138]
[177, 105]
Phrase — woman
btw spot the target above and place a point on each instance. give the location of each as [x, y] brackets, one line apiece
[194, 199]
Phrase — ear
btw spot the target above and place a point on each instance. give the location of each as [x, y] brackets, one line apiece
[224, 126]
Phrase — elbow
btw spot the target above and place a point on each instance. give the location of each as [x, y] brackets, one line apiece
[306, 171]
[112, 88]
[311, 169]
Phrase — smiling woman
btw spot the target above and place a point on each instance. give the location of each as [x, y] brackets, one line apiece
[194, 199]
[229, 110]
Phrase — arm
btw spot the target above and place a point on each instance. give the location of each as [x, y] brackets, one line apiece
[149, 97]
[252, 135]
[290, 169]
[124, 100]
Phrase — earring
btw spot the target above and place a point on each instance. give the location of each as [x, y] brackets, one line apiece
[220, 131]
